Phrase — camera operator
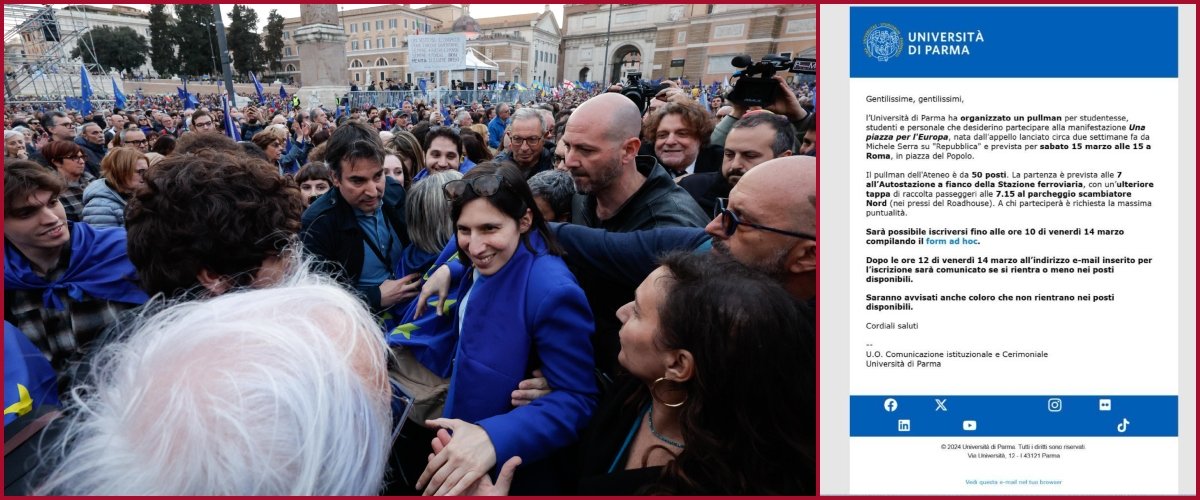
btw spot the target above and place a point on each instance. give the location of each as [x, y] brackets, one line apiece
[786, 103]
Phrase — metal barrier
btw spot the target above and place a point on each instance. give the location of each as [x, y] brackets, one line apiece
[393, 98]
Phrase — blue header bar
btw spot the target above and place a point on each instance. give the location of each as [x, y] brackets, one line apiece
[1014, 42]
[1014, 416]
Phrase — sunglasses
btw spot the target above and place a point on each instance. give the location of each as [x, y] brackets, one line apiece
[482, 186]
[730, 222]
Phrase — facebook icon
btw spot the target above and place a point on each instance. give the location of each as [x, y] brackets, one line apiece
[889, 405]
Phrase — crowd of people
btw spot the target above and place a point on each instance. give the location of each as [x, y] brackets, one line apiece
[572, 296]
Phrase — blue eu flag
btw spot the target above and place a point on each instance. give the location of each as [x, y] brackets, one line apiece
[29, 381]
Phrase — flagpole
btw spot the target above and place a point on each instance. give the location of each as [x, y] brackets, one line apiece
[607, 40]
[224, 48]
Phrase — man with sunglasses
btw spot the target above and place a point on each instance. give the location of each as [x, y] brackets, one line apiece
[767, 224]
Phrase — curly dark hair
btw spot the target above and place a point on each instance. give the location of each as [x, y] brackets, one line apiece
[210, 211]
[750, 418]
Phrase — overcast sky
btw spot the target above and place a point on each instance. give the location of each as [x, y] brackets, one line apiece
[478, 11]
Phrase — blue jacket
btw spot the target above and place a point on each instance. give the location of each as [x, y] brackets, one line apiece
[102, 206]
[296, 156]
[495, 131]
[330, 231]
[531, 314]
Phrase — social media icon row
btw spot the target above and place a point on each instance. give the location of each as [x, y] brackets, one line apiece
[905, 425]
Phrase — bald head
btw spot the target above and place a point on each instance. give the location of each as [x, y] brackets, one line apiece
[613, 115]
[786, 186]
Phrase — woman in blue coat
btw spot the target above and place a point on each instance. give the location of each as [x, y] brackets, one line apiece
[518, 309]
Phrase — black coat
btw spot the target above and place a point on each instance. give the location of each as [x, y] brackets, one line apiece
[330, 231]
[705, 188]
[707, 160]
[94, 153]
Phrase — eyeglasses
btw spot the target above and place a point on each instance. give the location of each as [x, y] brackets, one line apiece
[75, 157]
[730, 222]
[202, 124]
[137, 143]
[482, 186]
[532, 141]
[559, 159]
[401, 405]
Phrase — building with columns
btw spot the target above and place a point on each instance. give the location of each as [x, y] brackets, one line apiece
[696, 42]
[525, 47]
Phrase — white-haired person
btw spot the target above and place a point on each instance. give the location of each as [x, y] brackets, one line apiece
[247, 393]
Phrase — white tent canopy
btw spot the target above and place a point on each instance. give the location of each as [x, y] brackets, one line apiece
[475, 60]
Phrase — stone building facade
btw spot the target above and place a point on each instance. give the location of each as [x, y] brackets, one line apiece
[525, 47]
[695, 42]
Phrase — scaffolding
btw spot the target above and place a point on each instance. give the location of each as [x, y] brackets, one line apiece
[37, 53]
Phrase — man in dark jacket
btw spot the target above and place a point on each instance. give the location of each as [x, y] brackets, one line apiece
[358, 229]
[756, 138]
[618, 191]
[91, 140]
[527, 148]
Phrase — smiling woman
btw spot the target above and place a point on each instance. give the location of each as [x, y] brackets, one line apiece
[519, 309]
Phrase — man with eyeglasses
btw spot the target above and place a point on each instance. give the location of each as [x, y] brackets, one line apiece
[133, 137]
[768, 223]
[527, 147]
[60, 127]
[203, 122]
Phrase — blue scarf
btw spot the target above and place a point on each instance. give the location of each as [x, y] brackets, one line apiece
[99, 268]
[433, 339]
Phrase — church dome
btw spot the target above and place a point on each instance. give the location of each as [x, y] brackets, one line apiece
[466, 24]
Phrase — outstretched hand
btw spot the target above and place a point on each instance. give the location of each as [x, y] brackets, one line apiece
[461, 463]
[484, 486]
[437, 284]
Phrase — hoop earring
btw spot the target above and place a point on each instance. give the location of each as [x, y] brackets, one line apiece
[654, 394]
